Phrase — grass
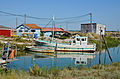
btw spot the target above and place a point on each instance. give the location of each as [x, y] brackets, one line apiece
[111, 42]
[96, 72]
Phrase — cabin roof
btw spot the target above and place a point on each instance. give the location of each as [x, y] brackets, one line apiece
[32, 26]
[44, 29]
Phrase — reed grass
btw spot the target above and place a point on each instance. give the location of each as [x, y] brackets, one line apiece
[96, 72]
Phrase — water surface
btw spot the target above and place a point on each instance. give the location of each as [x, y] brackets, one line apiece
[86, 59]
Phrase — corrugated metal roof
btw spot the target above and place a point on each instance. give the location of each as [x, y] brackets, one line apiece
[32, 26]
[43, 29]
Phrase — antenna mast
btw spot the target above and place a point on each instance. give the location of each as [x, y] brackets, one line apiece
[91, 20]
[53, 25]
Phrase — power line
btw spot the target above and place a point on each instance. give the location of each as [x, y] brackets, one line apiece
[11, 14]
[44, 18]
[71, 21]
[48, 23]
[22, 15]
[72, 17]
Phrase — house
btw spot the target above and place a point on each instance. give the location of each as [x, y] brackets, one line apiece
[5, 31]
[28, 29]
[85, 28]
[47, 31]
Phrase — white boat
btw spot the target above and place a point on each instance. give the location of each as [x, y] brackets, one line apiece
[78, 44]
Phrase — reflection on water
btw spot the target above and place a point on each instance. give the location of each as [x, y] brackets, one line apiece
[49, 60]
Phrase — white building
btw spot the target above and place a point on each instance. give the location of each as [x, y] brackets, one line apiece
[85, 28]
[28, 29]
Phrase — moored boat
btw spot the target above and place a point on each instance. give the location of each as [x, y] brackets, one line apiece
[39, 49]
[78, 44]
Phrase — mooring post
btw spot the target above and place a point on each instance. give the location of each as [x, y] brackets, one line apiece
[55, 50]
[105, 57]
[107, 49]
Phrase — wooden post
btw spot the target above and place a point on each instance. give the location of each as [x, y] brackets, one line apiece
[8, 48]
[91, 21]
[90, 62]
[16, 22]
[107, 49]
[100, 48]
[105, 57]
[53, 24]
[55, 52]
[66, 26]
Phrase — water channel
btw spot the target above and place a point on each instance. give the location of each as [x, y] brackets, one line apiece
[48, 60]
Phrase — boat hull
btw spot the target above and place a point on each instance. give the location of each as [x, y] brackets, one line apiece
[61, 47]
[56, 50]
[37, 49]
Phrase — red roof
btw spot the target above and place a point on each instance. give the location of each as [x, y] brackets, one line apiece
[32, 26]
[43, 29]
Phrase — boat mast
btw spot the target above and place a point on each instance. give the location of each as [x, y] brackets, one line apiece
[53, 25]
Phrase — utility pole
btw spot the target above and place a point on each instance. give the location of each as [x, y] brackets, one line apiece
[66, 26]
[100, 48]
[25, 19]
[91, 21]
[53, 24]
[16, 22]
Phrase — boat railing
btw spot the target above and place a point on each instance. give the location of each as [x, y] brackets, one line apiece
[52, 42]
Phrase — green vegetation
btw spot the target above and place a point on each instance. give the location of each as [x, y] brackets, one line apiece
[111, 42]
[96, 72]
[93, 38]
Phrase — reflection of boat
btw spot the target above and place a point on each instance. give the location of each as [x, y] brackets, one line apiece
[79, 58]
[41, 55]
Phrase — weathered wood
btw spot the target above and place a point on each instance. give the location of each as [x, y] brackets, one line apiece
[56, 50]
[105, 57]
[107, 48]
[100, 48]
[91, 21]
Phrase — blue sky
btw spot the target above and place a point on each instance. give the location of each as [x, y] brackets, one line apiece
[104, 11]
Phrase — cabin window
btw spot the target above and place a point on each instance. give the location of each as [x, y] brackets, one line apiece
[77, 62]
[20, 30]
[26, 30]
[78, 39]
[32, 30]
[73, 41]
[83, 39]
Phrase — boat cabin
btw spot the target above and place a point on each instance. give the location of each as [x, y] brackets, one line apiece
[77, 40]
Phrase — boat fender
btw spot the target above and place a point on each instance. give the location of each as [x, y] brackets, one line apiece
[11, 54]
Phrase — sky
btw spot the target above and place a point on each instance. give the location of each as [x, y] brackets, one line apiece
[105, 12]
